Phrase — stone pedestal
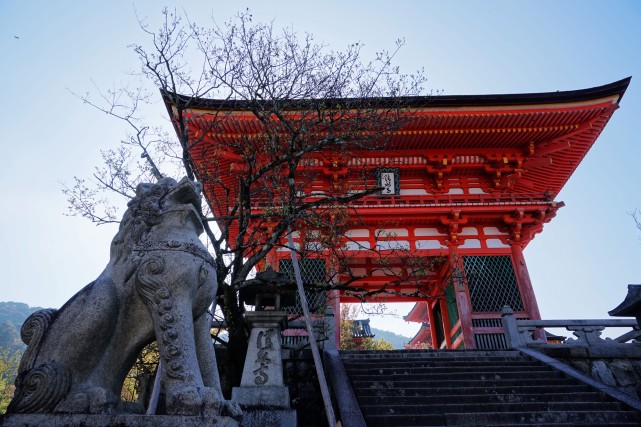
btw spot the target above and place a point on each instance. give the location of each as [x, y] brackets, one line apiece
[262, 394]
[104, 420]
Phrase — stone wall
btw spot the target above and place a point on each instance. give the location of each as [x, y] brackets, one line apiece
[616, 367]
[623, 374]
[300, 377]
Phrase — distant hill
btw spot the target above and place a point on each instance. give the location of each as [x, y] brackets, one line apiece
[12, 316]
[397, 341]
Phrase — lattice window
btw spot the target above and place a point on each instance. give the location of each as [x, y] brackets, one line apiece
[452, 309]
[492, 283]
[313, 271]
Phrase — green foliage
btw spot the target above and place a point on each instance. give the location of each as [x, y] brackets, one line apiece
[139, 381]
[397, 341]
[348, 342]
[9, 361]
[427, 345]
[374, 344]
[12, 316]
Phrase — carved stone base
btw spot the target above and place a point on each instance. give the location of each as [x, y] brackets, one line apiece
[261, 397]
[269, 417]
[102, 420]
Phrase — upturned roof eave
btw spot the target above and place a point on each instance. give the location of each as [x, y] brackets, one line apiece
[617, 88]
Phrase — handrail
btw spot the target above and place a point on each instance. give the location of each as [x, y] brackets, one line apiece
[348, 408]
[520, 333]
[612, 323]
[329, 411]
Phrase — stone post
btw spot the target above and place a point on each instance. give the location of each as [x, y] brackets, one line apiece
[510, 328]
[262, 381]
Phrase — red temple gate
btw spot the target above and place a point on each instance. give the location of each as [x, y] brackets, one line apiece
[467, 182]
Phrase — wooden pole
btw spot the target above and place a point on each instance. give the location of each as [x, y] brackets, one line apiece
[327, 400]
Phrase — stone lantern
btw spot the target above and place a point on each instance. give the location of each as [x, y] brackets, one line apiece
[262, 393]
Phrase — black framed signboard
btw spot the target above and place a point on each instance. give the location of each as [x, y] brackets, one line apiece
[388, 179]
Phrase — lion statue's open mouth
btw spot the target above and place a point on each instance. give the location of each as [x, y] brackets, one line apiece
[158, 284]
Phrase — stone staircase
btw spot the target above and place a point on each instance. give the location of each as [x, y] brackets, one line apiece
[463, 388]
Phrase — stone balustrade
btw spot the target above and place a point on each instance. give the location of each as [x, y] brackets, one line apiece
[587, 332]
[614, 363]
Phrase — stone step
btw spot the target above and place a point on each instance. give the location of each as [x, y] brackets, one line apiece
[434, 355]
[395, 370]
[421, 388]
[440, 354]
[436, 364]
[438, 398]
[431, 375]
[443, 362]
[588, 417]
[573, 418]
[405, 420]
[482, 390]
[460, 383]
[464, 408]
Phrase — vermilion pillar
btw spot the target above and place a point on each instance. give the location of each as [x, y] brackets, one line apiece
[430, 317]
[525, 284]
[462, 298]
[334, 300]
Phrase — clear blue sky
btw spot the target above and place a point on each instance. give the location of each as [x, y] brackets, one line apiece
[580, 264]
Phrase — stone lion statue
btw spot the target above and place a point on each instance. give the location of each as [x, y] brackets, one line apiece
[158, 284]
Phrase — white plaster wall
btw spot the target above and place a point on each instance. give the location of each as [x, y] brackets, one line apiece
[471, 244]
[476, 190]
[414, 192]
[496, 243]
[383, 245]
[392, 232]
[357, 245]
[493, 231]
[296, 245]
[427, 232]
[469, 231]
[429, 244]
[360, 232]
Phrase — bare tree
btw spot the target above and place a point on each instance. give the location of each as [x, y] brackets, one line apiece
[308, 104]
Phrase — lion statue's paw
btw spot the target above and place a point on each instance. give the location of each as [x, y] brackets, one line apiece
[232, 409]
[185, 401]
[205, 401]
[215, 404]
[95, 400]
